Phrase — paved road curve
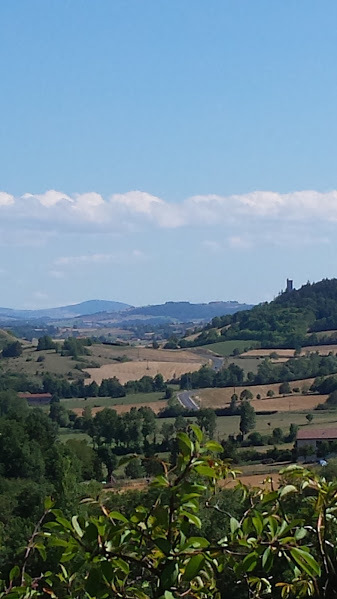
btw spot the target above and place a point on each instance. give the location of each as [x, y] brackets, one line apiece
[187, 401]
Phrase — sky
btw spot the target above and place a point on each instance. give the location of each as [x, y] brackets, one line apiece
[154, 151]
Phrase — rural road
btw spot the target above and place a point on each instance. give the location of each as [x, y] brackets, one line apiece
[185, 397]
[187, 401]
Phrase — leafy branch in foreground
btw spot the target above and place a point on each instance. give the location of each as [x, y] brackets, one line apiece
[283, 546]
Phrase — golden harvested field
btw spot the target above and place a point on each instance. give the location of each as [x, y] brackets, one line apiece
[104, 354]
[323, 350]
[132, 371]
[254, 475]
[156, 406]
[265, 353]
[221, 397]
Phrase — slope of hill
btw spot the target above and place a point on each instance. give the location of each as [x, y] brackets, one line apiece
[5, 338]
[291, 320]
[186, 312]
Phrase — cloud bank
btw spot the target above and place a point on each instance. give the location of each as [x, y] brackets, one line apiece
[90, 211]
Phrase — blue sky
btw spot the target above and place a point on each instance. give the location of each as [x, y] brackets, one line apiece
[155, 151]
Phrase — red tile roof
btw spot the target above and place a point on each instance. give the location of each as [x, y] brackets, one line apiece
[319, 434]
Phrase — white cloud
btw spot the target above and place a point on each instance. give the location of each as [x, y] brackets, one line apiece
[58, 212]
[6, 199]
[56, 274]
[87, 259]
[212, 246]
[239, 242]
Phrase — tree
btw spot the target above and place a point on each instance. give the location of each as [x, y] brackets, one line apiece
[206, 420]
[309, 417]
[234, 404]
[274, 544]
[159, 383]
[149, 424]
[155, 344]
[168, 393]
[134, 469]
[247, 418]
[270, 393]
[277, 435]
[255, 438]
[292, 432]
[12, 350]
[45, 342]
[167, 431]
[246, 394]
[284, 388]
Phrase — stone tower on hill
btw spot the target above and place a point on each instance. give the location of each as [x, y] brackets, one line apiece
[290, 286]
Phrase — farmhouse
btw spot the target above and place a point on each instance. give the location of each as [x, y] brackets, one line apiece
[313, 437]
[36, 398]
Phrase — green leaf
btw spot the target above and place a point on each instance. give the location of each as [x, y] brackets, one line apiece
[64, 522]
[250, 562]
[205, 471]
[192, 518]
[14, 573]
[300, 533]
[48, 503]
[197, 431]
[76, 526]
[306, 561]
[234, 524]
[164, 545]
[267, 559]
[169, 575]
[214, 446]
[195, 542]
[288, 489]
[258, 524]
[91, 532]
[193, 566]
[160, 481]
[117, 516]
[185, 444]
[123, 565]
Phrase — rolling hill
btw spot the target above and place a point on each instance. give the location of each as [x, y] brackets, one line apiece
[293, 319]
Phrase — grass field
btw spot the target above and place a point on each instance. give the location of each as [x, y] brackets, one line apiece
[225, 348]
[109, 402]
[53, 362]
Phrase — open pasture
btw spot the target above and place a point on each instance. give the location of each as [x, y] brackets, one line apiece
[138, 399]
[220, 397]
[130, 371]
[323, 350]
[226, 348]
[104, 354]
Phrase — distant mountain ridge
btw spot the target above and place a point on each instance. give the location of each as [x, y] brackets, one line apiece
[119, 312]
[185, 311]
[71, 311]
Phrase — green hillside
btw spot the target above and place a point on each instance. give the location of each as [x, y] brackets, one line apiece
[5, 337]
[291, 320]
